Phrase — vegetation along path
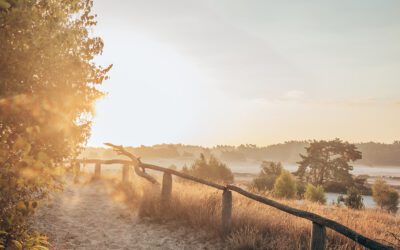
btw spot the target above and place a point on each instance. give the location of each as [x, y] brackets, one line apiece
[86, 217]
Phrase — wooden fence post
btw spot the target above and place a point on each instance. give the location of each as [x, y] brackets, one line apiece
[125, 174]
[226, 219]
[166, 190]
[97, 171]
[318, 237]
[77, 172]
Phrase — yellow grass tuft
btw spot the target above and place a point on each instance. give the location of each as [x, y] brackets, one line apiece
[258, 226]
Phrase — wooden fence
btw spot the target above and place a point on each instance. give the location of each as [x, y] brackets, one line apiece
[319, 223]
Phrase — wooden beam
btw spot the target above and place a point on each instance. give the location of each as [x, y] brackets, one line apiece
[134, 160]
[153, 167]
[349, 233]
[97, 161]
[183, 175]
[316, 219]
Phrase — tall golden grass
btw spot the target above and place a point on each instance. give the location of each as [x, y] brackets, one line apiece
[255, 225]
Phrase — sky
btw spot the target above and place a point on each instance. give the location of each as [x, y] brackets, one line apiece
[262, 72]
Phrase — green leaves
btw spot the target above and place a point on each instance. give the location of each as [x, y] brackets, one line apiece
[48, 85]
[211, 169]
[328, 161]
[385, 196]
[285, 186]
[315, 194]
[4, 5]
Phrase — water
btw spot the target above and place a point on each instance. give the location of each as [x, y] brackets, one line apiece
[367, 200]
[253, 167]
[391, 174]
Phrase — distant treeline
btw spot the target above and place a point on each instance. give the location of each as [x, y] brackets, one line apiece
[373, 154]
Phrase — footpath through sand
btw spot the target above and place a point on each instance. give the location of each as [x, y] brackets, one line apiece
[86, 217]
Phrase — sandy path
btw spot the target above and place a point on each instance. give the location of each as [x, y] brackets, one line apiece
[85, 217]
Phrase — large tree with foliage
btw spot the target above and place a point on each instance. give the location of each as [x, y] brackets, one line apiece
[328, 161]
[47, 88]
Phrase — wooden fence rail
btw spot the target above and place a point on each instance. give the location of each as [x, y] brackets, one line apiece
[319, 223]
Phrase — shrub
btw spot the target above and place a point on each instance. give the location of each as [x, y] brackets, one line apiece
[258, 226]
[271, 168]
[285, 186]
[301, 189]
[211, 169]
[266, 178]
[48, 83]
[263, 183]
[315, 194]
[386, 197]
[353, 199]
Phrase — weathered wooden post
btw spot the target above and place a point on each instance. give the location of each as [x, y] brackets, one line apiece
[226, 219]
[77, 171]
[125, 174]
[97, 171]
[166, 190]
[318, 237]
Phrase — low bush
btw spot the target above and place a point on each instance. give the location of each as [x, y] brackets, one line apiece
[385, 196]
[263, 183]
[285, 186]
[211, 169]
[265, 180]
[301, 189]
[258, 226]
[315, 194]
[353, 199]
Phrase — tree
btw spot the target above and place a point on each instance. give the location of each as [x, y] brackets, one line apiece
[315, 194]
[47, 88]
[285, 186]
[328, 161]
[385, 196]
[211, 169]
[265, 180]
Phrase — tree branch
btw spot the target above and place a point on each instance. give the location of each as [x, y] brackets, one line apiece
[135, 162]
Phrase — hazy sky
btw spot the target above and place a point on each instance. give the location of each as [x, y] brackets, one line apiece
[232, 72]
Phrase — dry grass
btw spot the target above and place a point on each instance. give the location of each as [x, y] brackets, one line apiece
[254, 225]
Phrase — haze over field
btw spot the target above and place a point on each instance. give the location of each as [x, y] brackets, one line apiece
[225, 124]
[263, 72]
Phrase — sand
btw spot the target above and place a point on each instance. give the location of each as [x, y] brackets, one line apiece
[86, 217]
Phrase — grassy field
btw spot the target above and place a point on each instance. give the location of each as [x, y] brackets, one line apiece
[255, 226]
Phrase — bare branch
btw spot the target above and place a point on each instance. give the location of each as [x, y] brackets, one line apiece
[135, 161]
[122, 151]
